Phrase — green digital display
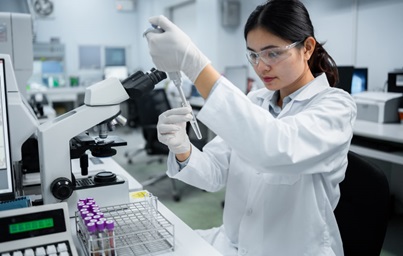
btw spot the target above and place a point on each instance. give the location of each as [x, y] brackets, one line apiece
[31, 225]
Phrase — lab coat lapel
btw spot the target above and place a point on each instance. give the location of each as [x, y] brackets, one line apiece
[316, 86]
[264, 99]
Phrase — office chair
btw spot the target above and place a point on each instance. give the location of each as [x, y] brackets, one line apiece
[363, 210]
[148, 108]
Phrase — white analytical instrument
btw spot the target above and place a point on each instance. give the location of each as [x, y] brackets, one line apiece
[39, 230]
[378, 107]
[101, 106]
[64, 138]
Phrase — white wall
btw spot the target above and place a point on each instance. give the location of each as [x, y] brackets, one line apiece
[204, 34]
[364, 33]
[380, 38]
[89, 22]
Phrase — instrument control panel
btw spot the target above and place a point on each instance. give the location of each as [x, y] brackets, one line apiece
[37, 230]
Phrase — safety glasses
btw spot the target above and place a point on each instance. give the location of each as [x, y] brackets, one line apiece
[270, 56]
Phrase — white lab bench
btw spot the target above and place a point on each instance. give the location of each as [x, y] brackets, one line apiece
[187, 241]
[382, 134]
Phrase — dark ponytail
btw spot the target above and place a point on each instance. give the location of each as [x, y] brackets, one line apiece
[321, 61]
[289, 19]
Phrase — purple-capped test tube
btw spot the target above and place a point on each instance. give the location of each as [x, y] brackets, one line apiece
[96, 211]
[96, 217]
[90, 199]
[87, 219]
[102, 239]
[92, 230]
[80, 205]
[84, 213]
[90, 214]
[110, 231]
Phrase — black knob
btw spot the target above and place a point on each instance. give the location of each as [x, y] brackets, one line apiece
[62, 188]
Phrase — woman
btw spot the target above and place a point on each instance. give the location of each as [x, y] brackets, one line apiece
[281, 151]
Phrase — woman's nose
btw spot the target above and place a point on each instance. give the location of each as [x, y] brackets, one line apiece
[261, 66]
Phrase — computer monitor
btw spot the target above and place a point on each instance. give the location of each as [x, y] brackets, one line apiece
[352, 80]
[345, 77]
[6, 169]
[359, 80]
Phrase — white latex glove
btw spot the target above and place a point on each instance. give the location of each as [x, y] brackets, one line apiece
[173, 50]
[171, 129]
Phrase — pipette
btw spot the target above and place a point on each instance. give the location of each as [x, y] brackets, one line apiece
[176, 79]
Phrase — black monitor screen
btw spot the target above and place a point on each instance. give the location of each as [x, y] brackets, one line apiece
[352, 80]
[6, 182]
[345, 77]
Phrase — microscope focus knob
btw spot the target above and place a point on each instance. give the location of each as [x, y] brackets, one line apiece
[62, 188]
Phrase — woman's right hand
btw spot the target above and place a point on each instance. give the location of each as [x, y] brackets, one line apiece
[173, 51]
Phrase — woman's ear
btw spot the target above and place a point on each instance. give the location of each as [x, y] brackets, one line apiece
[309, 47]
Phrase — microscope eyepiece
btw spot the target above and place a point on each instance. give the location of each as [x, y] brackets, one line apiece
[156, 75]
[140, 83]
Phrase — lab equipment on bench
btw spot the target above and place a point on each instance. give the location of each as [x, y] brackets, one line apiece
[17, 54]
[395, 81]
[37, 230]
[22, 121]
[63, 138]
[16, 41]
[378, 107]
[176, 79]
[138, 229]
[6, 168]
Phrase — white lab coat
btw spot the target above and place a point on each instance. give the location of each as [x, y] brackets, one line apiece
[281, 174]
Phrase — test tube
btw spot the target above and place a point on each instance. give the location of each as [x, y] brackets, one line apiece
[80, 205]
[176, 79]
[84, 213]
[102, 244]
[110, 231]
[93, 248]
[87, 219]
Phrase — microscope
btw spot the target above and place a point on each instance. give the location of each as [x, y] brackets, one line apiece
[63, 138]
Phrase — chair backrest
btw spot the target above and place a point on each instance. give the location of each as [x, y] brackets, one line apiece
[148, 108]
[363, 210]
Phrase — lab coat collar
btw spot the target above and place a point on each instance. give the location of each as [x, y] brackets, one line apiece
[319, 84]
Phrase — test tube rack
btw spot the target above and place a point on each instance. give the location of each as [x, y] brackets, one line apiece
[140, 229]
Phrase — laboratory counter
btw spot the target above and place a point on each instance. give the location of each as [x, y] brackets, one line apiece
[186, 241]
[382, 141]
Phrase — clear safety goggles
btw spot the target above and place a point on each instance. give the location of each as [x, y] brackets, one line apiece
[270, 56]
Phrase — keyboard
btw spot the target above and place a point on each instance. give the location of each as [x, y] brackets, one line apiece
[61, 248]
